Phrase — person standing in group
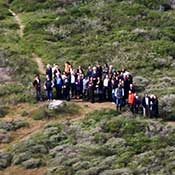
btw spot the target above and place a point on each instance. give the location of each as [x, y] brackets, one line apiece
[80, 71]
[106, 88]
[66, 87]
[99, 71]
[67, 66]
[89, 72]
[105, 70]
[131, 98]
[72, 83]
[56, 70]
[153, 106]
[79, 86]
[48, 85]
[91, 89]
[146, 105]
[136, 104]
[156, 106]
[85, 87]
[58, 85]
[126, 87]
[99, 88]
[119, 94]
[94, 75]
[37, 86]
[113, 87]
[49, 71]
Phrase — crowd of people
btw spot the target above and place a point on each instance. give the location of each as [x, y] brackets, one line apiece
[96, 84]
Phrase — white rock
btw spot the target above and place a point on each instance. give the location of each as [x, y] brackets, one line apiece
[55, 104]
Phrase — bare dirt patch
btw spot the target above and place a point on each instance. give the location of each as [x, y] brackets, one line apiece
[15, 170]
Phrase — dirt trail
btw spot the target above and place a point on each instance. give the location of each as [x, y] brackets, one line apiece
[35, 57]
[35, 126]
[16, 170]
[19, 22]
[39, 62]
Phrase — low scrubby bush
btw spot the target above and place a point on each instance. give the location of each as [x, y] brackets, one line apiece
[67, 109]
[3, 111]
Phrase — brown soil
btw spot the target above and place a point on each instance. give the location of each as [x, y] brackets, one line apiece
[15, 170]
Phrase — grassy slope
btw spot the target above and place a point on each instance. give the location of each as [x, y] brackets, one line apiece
[131, 34]
[126, 33]
[16, 56]
[104, 143]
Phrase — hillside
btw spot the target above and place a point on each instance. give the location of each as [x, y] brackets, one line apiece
[137, 35]
[103, 142]
[81, 138]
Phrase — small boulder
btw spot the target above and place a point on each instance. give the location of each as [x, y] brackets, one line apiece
[55, 104]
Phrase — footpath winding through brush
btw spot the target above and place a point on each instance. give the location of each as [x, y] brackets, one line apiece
[35, 57]
[19, 22]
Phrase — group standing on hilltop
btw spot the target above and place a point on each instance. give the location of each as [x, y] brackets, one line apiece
[96, 84]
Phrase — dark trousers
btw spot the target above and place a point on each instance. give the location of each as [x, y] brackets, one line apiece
[73, 89]
[99, 95]
[66, 95]
[136, 109]
[105, 93]
[58, 91]
[131, 107]
[38, 95]
[91, 94]
[49, 94]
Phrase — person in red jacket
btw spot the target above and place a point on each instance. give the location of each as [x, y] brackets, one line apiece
[131, 97]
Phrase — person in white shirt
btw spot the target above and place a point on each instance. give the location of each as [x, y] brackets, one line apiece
[106, 90]
[72, 83]
[146, 105]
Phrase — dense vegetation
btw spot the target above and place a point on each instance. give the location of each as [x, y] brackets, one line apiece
[137, 35]
[104, 143]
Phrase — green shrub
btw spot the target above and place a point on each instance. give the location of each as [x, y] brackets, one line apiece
[139, 142]
[96, 116]
[68, 109]
[152, 4]
[25, 113]
[3, 111]
[164, 47]
[41, 113]
[124, 126]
